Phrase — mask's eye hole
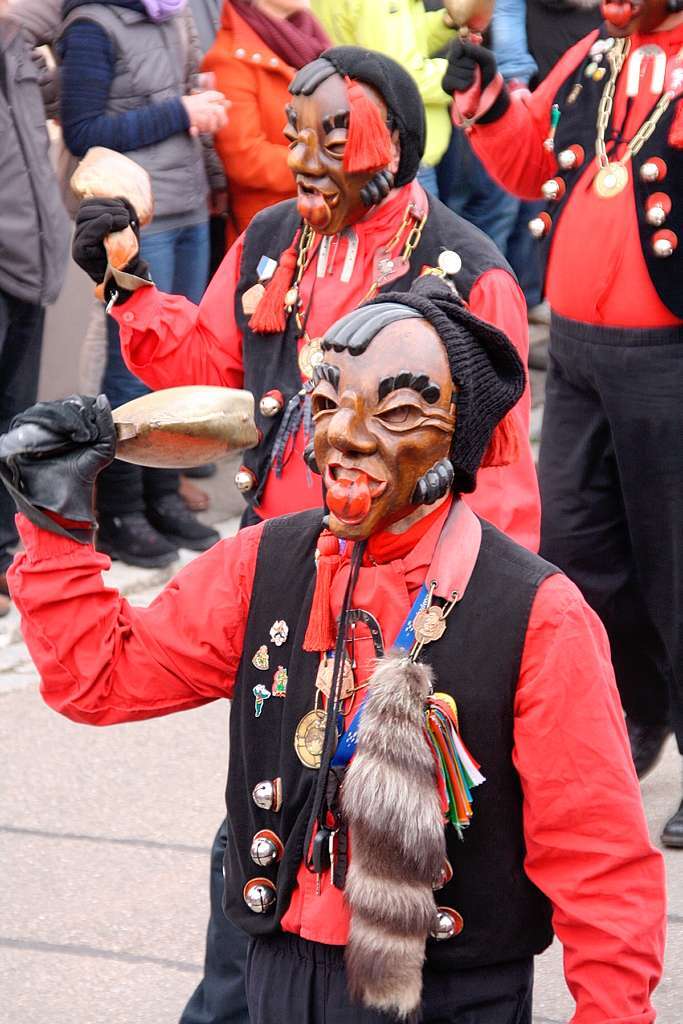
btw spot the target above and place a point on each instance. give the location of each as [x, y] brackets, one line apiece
[322, 404]
[397, 415]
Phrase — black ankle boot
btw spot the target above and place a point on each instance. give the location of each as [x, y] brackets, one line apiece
[130, 538]
[647, 743]
[672, 833]
[171, 517]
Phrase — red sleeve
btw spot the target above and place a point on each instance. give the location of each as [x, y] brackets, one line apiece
[587, 842]
[508, 496]
[102, 661]
[167, 341]
[512, 147]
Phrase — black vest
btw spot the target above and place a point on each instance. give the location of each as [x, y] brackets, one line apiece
[270, 360]
[577, 126]
[477, 661]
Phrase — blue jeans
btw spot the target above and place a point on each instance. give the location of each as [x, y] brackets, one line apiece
[178, 261]
[426, 175]
[466, 186]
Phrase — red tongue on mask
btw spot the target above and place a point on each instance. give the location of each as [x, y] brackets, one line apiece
[617, 14]
[350, 500]
[314, 210]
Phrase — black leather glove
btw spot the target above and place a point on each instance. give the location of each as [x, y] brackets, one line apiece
[97, 218]
[51, 456]
[463, 59]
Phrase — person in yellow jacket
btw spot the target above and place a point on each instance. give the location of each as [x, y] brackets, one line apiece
[404, 30]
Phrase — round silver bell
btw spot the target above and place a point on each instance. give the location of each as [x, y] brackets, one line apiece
[268, 795]
[259, 895]
[551, 189]
[656, 215]
[449, 262]
[649, 171]
[244, 481]
[444, 878]
[446, 925]
[269, 406]
[266, 848]
[663, 247]
[567, 159]
[538, 227]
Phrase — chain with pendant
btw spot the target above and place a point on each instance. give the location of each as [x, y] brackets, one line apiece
[388, 267]
[612, 177]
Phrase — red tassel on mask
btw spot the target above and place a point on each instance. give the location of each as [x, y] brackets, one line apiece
[269, 316]
[676, 129]
[321, 632]
[503, 447]
[368, 146]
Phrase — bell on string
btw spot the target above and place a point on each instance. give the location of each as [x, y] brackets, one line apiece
[266, 848]
[655, 215]
[664, 243]
[259, 894]
[540, 226]
[272, 403]
[571, 157]
[268, 795]
[447, 924]
[245, 480]
[553, 189]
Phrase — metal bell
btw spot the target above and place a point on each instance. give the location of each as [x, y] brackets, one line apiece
[445, 876]
[663, 247]
[244, 480]
[540, 226]
[447, 924]
[553, 189]
[656, 215]
[566, 159]
[266, 848]
[649, 171]
[268, 795]
[271, 404]
[259, 895]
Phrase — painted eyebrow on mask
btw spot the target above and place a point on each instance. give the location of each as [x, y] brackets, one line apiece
[328, 372]
[338, 120]
[420, 382]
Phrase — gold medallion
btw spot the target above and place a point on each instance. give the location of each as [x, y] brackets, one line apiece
[310, 356]
[429, 625]
[309, 738]
[323, 680]
[611, 180]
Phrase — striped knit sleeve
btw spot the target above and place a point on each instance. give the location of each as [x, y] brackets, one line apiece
[88, 62]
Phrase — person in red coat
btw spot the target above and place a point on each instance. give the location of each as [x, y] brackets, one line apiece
[361, 905]
[602, 140]
[258, 49]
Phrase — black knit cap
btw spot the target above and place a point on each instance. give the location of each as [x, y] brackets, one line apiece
[484, 364]
[396, 87]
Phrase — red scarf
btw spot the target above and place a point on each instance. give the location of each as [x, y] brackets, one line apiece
[297, 40]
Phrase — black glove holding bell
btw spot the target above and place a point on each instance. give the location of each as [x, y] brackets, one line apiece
[51, 457]
[464, 58]
[95, 220]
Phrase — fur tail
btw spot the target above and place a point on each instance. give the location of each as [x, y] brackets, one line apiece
[392, 806]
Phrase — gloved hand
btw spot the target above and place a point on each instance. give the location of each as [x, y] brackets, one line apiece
[52, 455]
[463, 60]
[97, 218]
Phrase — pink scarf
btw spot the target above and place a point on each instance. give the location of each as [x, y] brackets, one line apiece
[162, 10]
[296, 40]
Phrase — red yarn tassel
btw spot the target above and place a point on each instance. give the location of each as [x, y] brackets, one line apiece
[321, 632]
[676, 129]
[368, 146]
[503, 447]
[269, 316]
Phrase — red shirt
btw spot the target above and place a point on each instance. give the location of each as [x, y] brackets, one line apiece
[596, 270]
[102, 661]
[168, 341]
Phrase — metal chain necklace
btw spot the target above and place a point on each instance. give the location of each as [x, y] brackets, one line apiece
[388, 267]
[612, 177]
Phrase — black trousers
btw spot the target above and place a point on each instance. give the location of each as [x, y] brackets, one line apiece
[611, 478]
[21, 342]
[290, 979]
